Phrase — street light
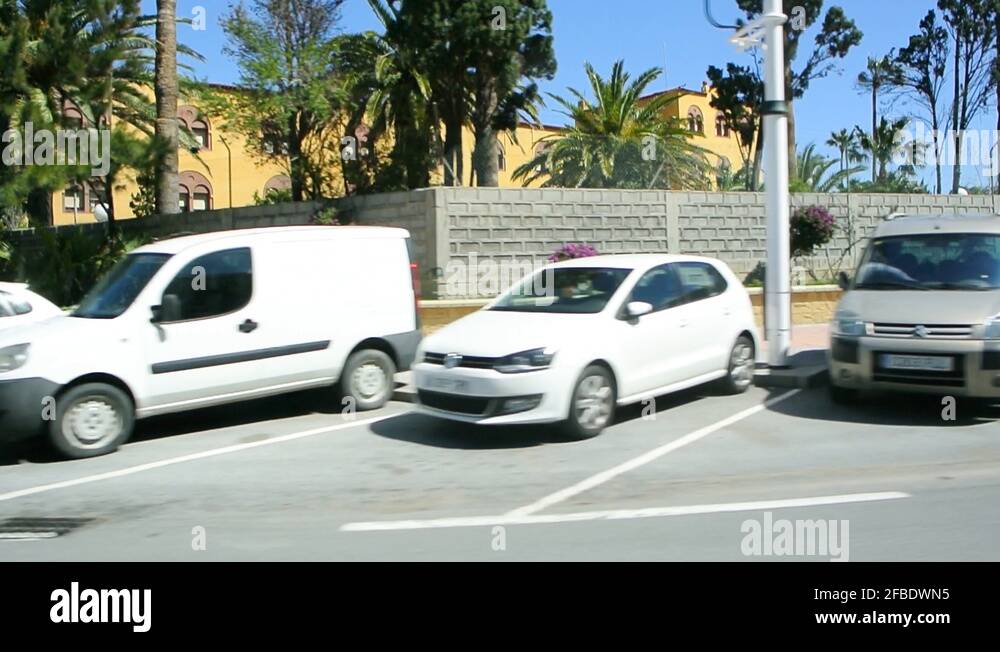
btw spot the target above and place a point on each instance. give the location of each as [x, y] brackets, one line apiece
[229, 153]
[769, 30]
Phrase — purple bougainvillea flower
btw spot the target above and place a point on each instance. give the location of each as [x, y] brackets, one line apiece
[571, 251]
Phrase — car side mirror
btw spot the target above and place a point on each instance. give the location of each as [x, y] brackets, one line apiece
[636, 309]
[169, 310]
[843, 280]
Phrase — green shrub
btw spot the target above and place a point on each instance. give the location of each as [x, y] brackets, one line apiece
[70, 261]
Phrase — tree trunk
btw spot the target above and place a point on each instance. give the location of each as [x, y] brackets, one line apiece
[956, 177]
[487, 159]
[758, 156]
[295, 163]
[453, 163]
[874, 122]
[39, 207]
[167, 177]
[935, 126]
[484, 156]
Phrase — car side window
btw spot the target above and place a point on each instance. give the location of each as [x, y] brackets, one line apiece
[659, 287]
[700, 281]
[5, 310]
[19, 306]
[212, 285]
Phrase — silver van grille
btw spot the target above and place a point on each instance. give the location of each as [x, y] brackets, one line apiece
[936, 331]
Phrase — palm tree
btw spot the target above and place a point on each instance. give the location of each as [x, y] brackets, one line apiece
[399, 98]
[618, 141]
[846, 143]
[167, 92]
[880, 74]
[887, 146]
[813, 172]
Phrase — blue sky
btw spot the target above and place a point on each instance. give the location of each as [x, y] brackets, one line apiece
[648, 33]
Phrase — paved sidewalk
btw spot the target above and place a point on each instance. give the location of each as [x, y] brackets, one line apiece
[807, 337]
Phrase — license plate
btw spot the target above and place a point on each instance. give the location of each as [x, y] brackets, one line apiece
[448, 384]
[918, 362]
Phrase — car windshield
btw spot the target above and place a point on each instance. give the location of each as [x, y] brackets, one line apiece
[118, 289]
[581, 290]
[940, 261]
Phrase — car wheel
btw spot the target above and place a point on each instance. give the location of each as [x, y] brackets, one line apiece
[843, 395]
[592, 407]
[92, 419]
[741, 367]
[368, 379]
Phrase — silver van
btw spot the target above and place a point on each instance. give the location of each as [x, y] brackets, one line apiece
[923, 311]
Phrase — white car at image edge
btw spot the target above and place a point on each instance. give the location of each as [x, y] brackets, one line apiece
[576, 339]
[19, 306]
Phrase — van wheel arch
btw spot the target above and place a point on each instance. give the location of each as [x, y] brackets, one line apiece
[107, 379]
[378, 345]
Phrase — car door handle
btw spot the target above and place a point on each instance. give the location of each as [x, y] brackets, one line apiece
[683, 323]
[248, 326]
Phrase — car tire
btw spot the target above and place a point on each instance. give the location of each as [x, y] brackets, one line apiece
[592, 404]
[91, 419]
[368, 379]
[843, 395]
[740, 368]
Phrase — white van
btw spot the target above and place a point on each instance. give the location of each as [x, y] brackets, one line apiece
[211, 319]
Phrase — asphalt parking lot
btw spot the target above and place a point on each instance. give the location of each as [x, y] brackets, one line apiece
[284, 479]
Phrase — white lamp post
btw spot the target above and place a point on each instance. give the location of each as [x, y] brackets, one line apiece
[769, 29]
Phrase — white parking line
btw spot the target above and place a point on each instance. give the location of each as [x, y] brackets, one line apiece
[619, 514]
[645, 458]
[132, 470]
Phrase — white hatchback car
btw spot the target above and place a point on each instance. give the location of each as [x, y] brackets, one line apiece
[570, 342]
[19, 306]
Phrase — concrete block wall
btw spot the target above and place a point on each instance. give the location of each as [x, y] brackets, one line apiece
[476, 228]
[479, 226]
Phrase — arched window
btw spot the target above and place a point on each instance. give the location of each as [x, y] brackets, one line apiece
[195, 192]
[696, 121]
[721, 126]
[197, 124]
[542, 148]
[201, 199]
[272, 139]
[278, 183]
[73, 118]
[202, 134]
[501, 157]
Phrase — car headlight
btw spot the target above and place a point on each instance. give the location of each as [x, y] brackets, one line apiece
[533, 360]
[848, 327]
[993, 328]
[13, 357]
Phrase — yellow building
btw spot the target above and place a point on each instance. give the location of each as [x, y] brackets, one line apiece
[708, 127]
[225, 173]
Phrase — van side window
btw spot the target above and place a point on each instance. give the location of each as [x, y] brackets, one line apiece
[214, 284]
[700, 281]
[659, 287]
